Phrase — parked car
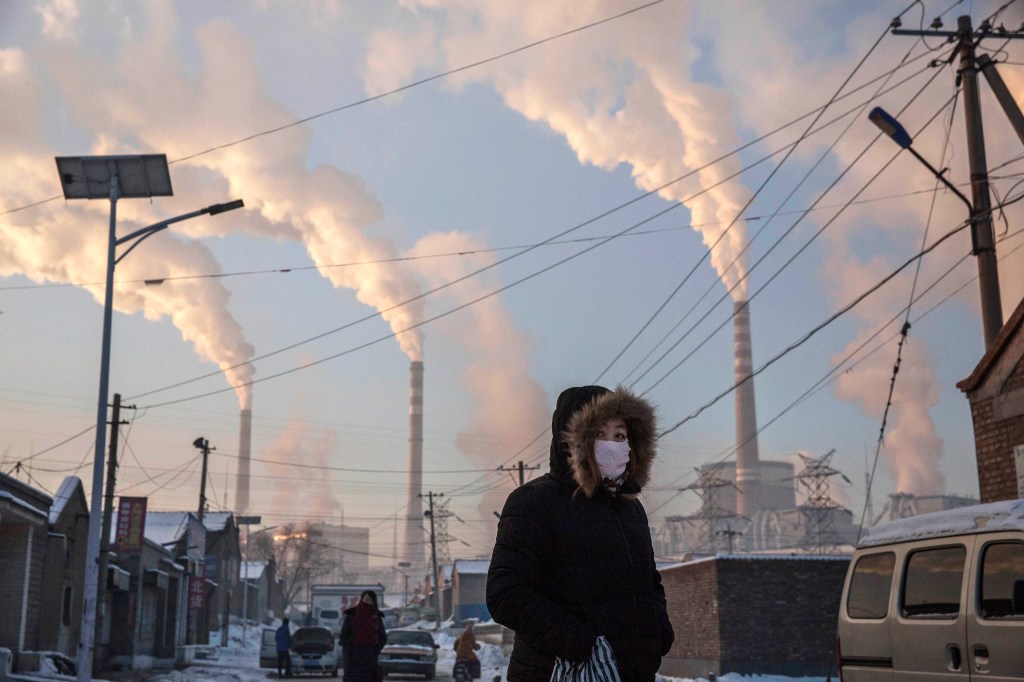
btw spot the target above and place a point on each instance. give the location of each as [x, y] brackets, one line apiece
[937, 596]
[313, 651]
[409, 652]
[268, 649]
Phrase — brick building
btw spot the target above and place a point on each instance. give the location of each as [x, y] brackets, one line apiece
[996, 393]
[754, 614]
[24, 515]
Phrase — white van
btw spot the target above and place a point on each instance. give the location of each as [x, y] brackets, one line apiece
[937, 597]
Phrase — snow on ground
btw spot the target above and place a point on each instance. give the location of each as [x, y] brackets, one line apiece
[239, 661]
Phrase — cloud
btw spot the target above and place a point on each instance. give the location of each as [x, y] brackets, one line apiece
[59, 18]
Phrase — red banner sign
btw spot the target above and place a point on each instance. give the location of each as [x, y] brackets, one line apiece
[197, 588]
[131, 524]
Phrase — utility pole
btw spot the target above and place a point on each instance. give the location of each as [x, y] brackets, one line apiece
[982, 239]
[108, 514]
[203, 445]
[981, 215]
[521, 468]
[433, 556]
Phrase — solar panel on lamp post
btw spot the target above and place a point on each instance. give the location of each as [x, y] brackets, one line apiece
[114, 178]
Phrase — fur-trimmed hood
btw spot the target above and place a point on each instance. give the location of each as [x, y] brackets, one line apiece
[585, 409]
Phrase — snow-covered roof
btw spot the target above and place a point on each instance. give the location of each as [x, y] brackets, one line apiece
[472, 566]
[11, 499]
[760, 557]
[216, 521]
[986, 518]
[65, 492]
[166, 527]
[162, 528]
[252, 570]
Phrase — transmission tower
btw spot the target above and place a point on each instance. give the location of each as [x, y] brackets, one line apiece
[441, 516]
[712, 520]
[818, 510]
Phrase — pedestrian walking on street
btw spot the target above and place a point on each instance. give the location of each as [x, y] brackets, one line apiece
[283, 639]
[362, 638]
[573, 572]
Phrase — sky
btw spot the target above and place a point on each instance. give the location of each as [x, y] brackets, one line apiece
[523, 196]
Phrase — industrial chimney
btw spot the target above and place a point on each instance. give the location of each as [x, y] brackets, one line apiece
[748, 465]
[414, 546]
[244, 447]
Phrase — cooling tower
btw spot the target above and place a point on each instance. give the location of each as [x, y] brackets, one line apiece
[414, 546]
[748, 466]
[242, 480]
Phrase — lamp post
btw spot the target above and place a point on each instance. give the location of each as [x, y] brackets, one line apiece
[980, 212]
[113, 178]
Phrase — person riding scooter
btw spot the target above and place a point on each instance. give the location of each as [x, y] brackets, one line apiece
[466, 647]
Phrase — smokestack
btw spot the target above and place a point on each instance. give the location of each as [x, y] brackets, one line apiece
[414, 546]
[244, 447]
[748, 465]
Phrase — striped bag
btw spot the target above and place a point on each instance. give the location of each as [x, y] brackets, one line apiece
[600, 667]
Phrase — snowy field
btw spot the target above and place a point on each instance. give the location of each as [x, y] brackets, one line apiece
[239, 662]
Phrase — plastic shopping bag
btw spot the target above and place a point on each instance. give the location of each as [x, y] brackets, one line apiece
[600, 667]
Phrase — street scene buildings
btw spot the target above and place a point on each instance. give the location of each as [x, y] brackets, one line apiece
[361, 247]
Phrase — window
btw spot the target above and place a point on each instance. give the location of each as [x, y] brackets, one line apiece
[1002, 580]
[65, 611]
[931, 587]
[870, 586]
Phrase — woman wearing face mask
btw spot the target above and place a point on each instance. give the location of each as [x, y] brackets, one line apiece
[573, 557]
[362, 638]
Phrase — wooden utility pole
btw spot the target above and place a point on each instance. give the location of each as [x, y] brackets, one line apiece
[982, 239]
[108, 514]
[981, 215]
[203, 445]
[521, 468]
[433, 556]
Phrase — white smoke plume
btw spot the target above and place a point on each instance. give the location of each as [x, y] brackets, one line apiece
[148, 95]
[507, 402]
[913, 451]
[616, 98]
[625, 94]
[295, 445]
[67, 242]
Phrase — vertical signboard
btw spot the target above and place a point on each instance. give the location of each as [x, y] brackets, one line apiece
[131, 524]
[197, 588]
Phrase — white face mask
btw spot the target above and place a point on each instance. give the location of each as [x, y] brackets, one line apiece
[611, 456]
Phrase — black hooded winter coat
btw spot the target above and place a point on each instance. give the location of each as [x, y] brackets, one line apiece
[572, 560]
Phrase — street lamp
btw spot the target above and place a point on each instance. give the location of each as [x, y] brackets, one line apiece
[982, 242]
[112, 177]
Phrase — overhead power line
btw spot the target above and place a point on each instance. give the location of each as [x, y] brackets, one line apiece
[389, 93]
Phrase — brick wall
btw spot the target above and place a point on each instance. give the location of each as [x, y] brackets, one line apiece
[994, 440]
[1016, 379]
[754, 615]
[691, 591]
[15, 541]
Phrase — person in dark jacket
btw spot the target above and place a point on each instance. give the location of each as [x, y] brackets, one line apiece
[362, 638]
[573, 558]
[283, 641]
